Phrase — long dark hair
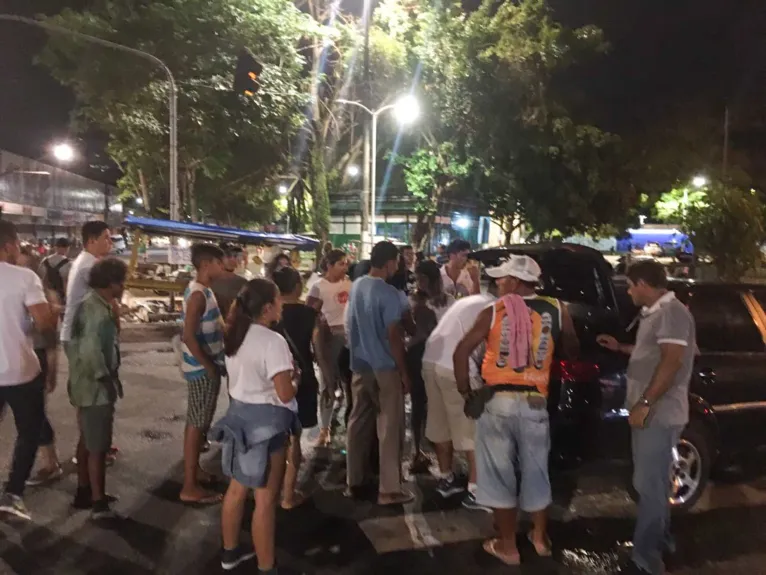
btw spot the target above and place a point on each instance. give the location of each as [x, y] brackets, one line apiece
[431, 271]
[247, 308]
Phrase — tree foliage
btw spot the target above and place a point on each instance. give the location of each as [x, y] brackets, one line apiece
[226, 141]
[729, 228]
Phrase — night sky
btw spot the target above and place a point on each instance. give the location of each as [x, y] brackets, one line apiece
[665, 55]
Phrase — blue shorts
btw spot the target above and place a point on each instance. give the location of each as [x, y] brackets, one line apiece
[511, 435]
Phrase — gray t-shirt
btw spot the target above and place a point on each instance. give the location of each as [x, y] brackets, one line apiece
[667, 321]
[226, 289]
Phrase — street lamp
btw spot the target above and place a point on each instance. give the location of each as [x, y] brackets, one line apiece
[140, 201]
[63, 152]
[352, 170]
[699, 181]
[283, 189]
[406, 111]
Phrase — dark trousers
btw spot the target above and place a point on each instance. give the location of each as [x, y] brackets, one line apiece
[27, 402]
[47, 436]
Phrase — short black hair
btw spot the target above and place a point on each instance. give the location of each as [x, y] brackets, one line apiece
[8, 233]
[91, 230]
[457, 246]
[382, 253]
[230, 250]
[108, 272]
[287, 279]
[651, 272]
[205, 253]
[62, 243]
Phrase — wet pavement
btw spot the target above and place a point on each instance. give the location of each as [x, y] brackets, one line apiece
[591, 525]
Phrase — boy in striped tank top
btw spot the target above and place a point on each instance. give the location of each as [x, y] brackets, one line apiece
[202, 365]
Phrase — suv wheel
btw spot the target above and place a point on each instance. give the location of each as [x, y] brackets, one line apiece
[690, 470]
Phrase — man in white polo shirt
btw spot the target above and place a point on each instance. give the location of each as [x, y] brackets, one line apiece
[659, 371]
[21, 298]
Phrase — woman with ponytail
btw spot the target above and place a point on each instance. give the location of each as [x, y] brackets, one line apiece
[262, 416]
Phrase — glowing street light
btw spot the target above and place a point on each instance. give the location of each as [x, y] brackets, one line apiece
[699, 181]
[140, 201]
[63, 152]
[352, 170]
[406, 111]
[283, 189]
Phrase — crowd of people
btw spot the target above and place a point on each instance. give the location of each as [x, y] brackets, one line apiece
[475, 365]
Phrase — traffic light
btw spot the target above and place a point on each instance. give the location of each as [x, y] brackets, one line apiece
[247, 74]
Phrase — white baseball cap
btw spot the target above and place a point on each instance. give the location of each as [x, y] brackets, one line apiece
[520, 267]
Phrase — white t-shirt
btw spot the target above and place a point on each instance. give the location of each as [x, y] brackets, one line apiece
[263, 354]
[76, 290]
[454, 324]
[462, 287]
[20, 288]
[334, 297]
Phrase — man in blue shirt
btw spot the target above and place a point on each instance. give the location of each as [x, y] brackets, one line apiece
[380, 381]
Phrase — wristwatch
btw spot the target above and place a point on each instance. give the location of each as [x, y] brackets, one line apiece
[643, 401]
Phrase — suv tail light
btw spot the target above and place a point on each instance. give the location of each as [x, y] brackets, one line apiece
[577, 371]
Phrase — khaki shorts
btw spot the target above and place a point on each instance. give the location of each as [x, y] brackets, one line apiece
[96, 426]
[446, 421]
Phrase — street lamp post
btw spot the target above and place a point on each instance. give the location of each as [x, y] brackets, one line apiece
[172, 99]
[406, 110]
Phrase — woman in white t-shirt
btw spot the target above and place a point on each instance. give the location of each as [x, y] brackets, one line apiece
[262, 415]
[329, 296]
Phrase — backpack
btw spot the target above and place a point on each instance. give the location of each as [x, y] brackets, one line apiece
[53, 278]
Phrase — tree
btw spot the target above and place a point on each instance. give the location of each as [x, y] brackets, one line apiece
[673, 207]
[226, 141]
[728, 228]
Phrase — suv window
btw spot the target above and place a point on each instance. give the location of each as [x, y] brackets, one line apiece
[723, 321]
[572, 279]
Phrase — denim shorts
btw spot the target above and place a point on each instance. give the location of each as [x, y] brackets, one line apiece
[513, 438]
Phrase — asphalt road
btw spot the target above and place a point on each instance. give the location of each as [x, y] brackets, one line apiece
[592, 516]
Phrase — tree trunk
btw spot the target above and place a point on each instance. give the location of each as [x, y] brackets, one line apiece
[190, 177]
[144, 192]
[319, 194]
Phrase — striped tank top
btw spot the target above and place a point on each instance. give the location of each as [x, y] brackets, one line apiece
[545, 313]
[209, 334]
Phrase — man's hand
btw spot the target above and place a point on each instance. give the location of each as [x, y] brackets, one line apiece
[50, 381]
[473, 271]
[212, 371]
[638, 415]
[406, 383]
[609, 342]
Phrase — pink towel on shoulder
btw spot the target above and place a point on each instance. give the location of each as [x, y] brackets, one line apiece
[519, 330]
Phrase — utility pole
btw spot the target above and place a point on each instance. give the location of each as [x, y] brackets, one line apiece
[172, 98]
[725, 144]
[366, 101]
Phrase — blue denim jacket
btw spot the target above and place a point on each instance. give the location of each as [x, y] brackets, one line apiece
[249, 433]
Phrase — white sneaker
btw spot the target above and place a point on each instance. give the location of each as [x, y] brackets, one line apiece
[14, 505]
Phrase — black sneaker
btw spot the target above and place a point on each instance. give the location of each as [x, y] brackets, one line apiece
[469, 502]
[101, 511]
[230, 558]
[84, 500]
[449, 487]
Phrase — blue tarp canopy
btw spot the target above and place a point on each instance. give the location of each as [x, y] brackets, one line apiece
[667, 238]
[219, 233]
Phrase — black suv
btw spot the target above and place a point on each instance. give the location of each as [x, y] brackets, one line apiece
[728, 390]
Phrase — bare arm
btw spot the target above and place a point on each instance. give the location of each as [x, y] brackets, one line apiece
[44, 317]
[473, 271]
[470, 342]
[320, 341]
[314, 302]
[195, 308]
[569, 340]
[396, 338]
[283, 384]
[610, 342]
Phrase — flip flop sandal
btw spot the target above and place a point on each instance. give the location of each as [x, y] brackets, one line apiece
[490, 547]
[203, 502]
[395, 499]
[547, 550]
[298, 499]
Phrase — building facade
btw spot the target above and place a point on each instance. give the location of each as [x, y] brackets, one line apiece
[46, 202]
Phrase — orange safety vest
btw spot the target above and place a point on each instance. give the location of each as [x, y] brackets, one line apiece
[546, 326]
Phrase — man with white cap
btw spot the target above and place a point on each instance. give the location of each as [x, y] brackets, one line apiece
[521, 331]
